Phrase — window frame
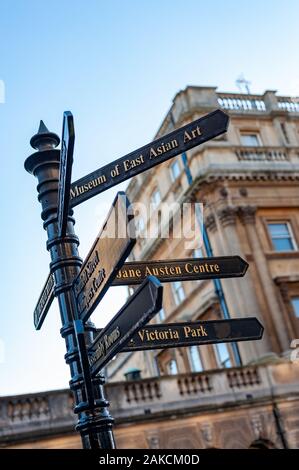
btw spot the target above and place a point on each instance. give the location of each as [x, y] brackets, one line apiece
[177, 299]
[218, 358]
[296, 298]
[172, 360]
[162, 317]
[193, 347]
[247, 133]
[171, 166]
[156, 190]
[288, 223]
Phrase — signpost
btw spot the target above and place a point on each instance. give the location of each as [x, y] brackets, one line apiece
[186, 269]
[106, 256]
[144, 158]
[44, 302]
[177, 335]
[79, 288]
[65, 170]
[138, 310]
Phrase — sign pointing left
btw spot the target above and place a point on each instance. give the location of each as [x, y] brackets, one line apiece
[65, 171]
[138, 310]
[106, 257]
[44, 302]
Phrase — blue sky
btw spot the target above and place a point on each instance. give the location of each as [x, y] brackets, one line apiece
[116, 65]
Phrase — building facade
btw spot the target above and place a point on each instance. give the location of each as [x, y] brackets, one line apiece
[247, 180]
[199, 397]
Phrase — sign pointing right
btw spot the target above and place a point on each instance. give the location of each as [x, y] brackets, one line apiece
[150, 155]
[185, 269]
[175, 335]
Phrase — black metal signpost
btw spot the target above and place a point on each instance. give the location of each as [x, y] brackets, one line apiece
[94, 420]
[79, 288]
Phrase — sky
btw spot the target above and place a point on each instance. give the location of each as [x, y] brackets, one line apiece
[117, 66]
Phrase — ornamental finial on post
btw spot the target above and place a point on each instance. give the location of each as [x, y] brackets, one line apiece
[44, 139]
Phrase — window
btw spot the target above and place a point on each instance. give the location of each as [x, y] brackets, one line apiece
[250, 140]
[155, 198]
[161, 314]
[196, 364]
[175, 170]
[198, 253]
[295, 305]
[172, 367]
[156, 367]
[140, 225]
[223, 355]
[178, 292]
[281, 236]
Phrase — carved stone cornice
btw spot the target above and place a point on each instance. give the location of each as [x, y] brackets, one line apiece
[210, 223]
[212, 176]
[247, 214]
[227, 215]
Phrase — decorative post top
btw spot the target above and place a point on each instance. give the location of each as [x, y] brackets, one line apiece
[44, 139]
[45, 142]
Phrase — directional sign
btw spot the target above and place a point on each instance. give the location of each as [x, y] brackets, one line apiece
[44, 302]
[108, 253]
[138, 310]
[186, 269]
[176, 335]
[168, 146]
[65, 170]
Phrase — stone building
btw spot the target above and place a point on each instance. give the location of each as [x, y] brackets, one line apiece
[200, 397]
[247, 180]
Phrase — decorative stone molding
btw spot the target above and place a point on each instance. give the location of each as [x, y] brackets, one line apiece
[207, 434]
[228, 215]
[210, 223]
[243, 192]
[247, 214]
[153, 440]
[257, 426]
[212, 176]
[223, 192]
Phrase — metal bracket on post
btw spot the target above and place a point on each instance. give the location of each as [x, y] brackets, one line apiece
[80, 335]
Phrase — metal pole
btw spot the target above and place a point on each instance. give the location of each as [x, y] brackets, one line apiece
[94, 420]
[208, 248]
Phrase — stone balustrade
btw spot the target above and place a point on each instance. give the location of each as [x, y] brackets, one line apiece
[289, 104]
[263, 154]
[241, 102]
[43, 414]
